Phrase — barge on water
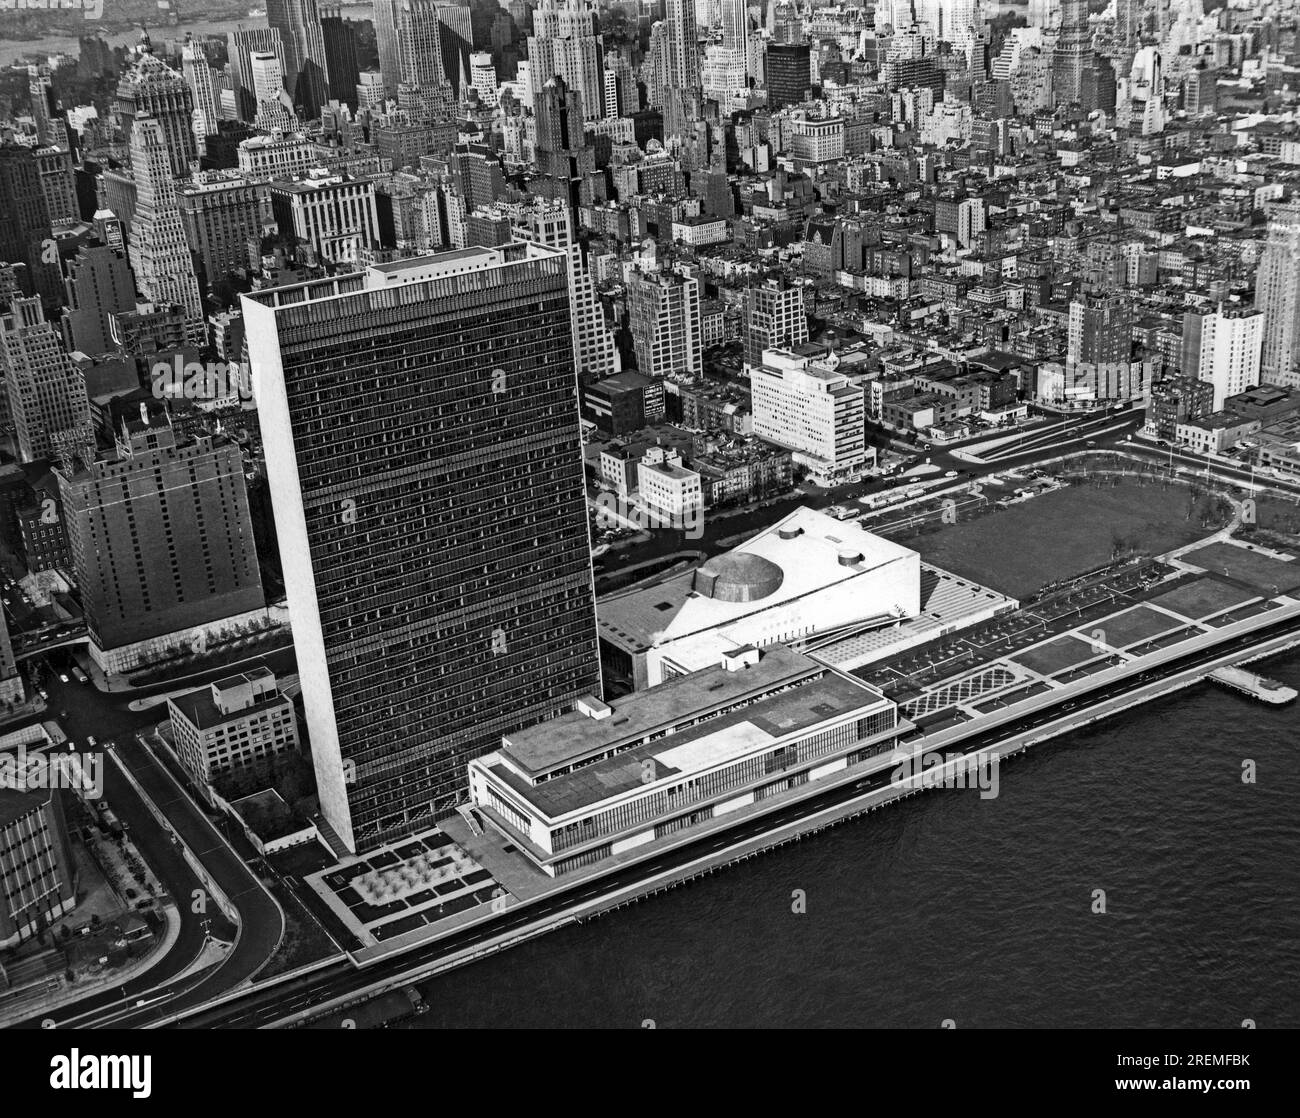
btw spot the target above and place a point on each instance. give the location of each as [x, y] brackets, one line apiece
[1256, 686]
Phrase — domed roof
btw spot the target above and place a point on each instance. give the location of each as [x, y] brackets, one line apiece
[738, 578]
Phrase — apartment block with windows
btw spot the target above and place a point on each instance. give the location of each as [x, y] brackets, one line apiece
[805, 405]
[232, 724]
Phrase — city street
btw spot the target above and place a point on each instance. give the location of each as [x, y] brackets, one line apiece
[84, 711]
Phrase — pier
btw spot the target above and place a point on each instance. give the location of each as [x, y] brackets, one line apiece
[1256, 686]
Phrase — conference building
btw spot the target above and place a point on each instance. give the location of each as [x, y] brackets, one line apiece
[659, 766]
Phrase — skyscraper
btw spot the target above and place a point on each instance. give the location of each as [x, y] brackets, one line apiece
[25, 234]
[457, 41]
[161, 541]
[157, 247]
[421, 429]
[340, 37]
[201, 79]
[151, 88]
[774, 319]
[1230, 351]
[681, 104]
[243, 44]
[384, 17]
[564, 44]
[565, 153]
[1277, 294]
[664, 314]
[1073, 53]
[47, 392]
[789, 74]
[551, 224]
[303, 57]
[99, 283]
[422, 85]
[735, 24]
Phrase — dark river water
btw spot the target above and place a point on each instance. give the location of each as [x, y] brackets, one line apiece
[949, 906]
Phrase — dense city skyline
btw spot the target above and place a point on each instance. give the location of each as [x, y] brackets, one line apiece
[465, 466]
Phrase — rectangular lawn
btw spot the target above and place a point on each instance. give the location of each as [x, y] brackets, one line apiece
[1061, 534]
[1261, 571]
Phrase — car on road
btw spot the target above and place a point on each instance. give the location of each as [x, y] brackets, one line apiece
[1092, 442]
[950, 473]
[80, 676]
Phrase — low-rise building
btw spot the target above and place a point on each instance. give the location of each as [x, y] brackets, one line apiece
[1214, 433]
[1266, 402]
[666, 485]
[37, 873]
[803, 577]
[623, 403]
[232, 725]
[1178, 400]
[1277, 446]
[740, 474]
[609, 778]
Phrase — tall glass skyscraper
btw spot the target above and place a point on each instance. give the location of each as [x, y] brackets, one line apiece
[422, 439]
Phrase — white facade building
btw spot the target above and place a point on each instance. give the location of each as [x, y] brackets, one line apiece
[666, 486]
[1231, 347]
[564, 44]
[805, 405]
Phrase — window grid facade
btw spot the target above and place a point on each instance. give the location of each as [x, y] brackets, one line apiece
[620, 818]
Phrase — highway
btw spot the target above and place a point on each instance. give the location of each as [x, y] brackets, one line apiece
[266, 1007]
[262, 922]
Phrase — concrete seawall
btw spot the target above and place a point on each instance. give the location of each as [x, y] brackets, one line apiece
[811, 824]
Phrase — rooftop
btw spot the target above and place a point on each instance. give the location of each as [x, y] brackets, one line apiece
[199, 709]
[798, 705]
[14, 804]
[540, 748]
[812, 551]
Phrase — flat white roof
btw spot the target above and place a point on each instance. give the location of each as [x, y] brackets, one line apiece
[712, 749]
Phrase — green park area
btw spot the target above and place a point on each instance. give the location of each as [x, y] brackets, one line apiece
[1068, 531]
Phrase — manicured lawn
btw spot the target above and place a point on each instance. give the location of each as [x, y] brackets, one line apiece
[1260, 571]
[1065, 533]
[1055, 656]
[1202, 597]
[1278, 515]
[1134, 625]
